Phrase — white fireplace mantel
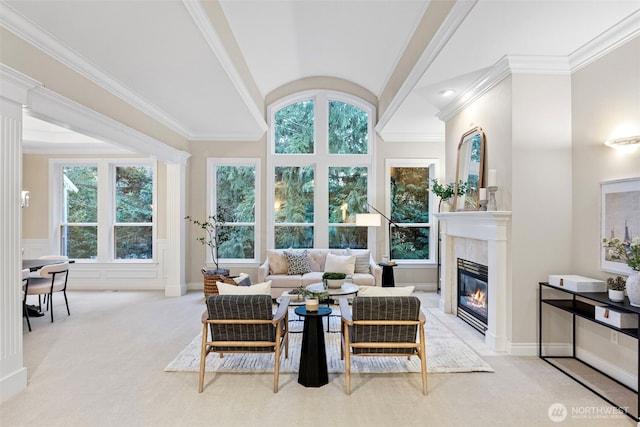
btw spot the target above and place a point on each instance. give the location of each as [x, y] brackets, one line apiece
[492, 227]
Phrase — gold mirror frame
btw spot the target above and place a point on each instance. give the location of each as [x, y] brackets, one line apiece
[470, 169]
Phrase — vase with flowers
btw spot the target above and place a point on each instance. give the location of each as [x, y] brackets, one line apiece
[446, 192]
[628, 251]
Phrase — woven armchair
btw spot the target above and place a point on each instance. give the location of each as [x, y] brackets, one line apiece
[244, 324]
[383, 326]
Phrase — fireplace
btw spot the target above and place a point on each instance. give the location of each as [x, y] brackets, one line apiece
[473, 294]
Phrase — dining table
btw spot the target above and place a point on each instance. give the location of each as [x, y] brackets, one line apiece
[37, 264]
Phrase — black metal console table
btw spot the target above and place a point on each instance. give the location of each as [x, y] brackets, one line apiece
[582, 305]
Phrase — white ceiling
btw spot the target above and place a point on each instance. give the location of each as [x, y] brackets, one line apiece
[203, 68]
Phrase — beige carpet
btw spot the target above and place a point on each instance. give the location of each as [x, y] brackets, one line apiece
[445, 353]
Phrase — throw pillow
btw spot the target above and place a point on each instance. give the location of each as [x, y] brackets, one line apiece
[243, 280]
[277, 262]
[298, 262]
[377, 291]
[257, 289]
[340, 264]
[362, 260]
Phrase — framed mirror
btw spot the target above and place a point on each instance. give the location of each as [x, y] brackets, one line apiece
[470, 169]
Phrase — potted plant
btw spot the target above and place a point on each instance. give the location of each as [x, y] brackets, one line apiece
[333, 280]
[447, 192]
[214, 236]
[616, 288]
[629, 252]
[312, 299]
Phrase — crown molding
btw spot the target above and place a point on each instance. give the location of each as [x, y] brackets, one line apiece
[557, 65]
[25, 29]
[482, 85]
[606, 42]
[50, 106]
[14, 85]
[412, 137]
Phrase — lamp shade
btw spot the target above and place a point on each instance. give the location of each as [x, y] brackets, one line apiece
[368, 220]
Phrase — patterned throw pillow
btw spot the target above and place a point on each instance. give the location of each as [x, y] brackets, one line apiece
[298, 262]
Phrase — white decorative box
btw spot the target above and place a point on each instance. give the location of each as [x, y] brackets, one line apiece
[577, 283]
[611, 317]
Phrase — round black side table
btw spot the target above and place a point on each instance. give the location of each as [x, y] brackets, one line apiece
[313, 356]
[387, 275]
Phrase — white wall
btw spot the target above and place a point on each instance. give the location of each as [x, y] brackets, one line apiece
[605, 98]
[526, 120]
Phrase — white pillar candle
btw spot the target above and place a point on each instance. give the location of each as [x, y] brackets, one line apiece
[483, 194]
[492, 178]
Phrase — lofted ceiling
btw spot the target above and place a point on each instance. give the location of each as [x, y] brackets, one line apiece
[205, 68]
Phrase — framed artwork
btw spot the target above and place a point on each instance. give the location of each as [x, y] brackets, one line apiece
[620, 201]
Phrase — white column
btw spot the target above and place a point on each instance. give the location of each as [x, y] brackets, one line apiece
[13, 375]
[175, 259]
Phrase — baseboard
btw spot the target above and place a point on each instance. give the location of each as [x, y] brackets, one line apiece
[625, 377]
[13, 384]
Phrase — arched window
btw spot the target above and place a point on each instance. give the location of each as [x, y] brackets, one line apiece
[319, 171]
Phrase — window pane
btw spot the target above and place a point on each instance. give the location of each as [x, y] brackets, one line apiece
[410, 194]
[134, 194]
[240, 242]
[348, 237]
[293, 237]
[80, 198]
[133, 242]
[79, 242]
[348, 129]
[235, 190]
[347, 194]
[294, 129]
[294, 195]
[410, 243]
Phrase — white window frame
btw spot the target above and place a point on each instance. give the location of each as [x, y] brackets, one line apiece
[434, 169]
[320, 159]
[106, 205]
[212, 208]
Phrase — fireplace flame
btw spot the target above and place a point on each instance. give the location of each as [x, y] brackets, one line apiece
[478, 299]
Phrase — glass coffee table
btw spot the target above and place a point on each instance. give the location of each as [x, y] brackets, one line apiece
[345, 290]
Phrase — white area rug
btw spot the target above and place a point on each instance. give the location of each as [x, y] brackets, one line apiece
[445, 353]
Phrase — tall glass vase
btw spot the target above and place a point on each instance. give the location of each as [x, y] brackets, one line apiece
[633, 289]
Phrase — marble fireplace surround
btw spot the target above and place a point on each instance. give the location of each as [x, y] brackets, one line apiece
[481, 237]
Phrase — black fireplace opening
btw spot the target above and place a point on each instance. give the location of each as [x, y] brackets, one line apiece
[473, 294]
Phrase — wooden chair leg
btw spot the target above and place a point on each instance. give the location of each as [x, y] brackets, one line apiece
[203, 356]
[276, 369]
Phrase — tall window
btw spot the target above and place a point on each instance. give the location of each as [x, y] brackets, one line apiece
[319, 170]
[410, 208]
[79, 219]
[234, 196]
[105, 209]
[133, 227]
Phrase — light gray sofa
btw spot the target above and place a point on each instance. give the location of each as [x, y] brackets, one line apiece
[275, 268]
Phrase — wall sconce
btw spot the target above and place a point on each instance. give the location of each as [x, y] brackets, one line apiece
[628, 144]
[25, 199]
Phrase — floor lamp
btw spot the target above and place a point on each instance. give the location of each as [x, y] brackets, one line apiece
[373, 220]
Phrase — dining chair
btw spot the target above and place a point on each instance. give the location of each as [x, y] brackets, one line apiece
[53, 278]
[383, 326]
[25, 311]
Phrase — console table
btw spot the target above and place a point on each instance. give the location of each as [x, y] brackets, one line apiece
[582, 305]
